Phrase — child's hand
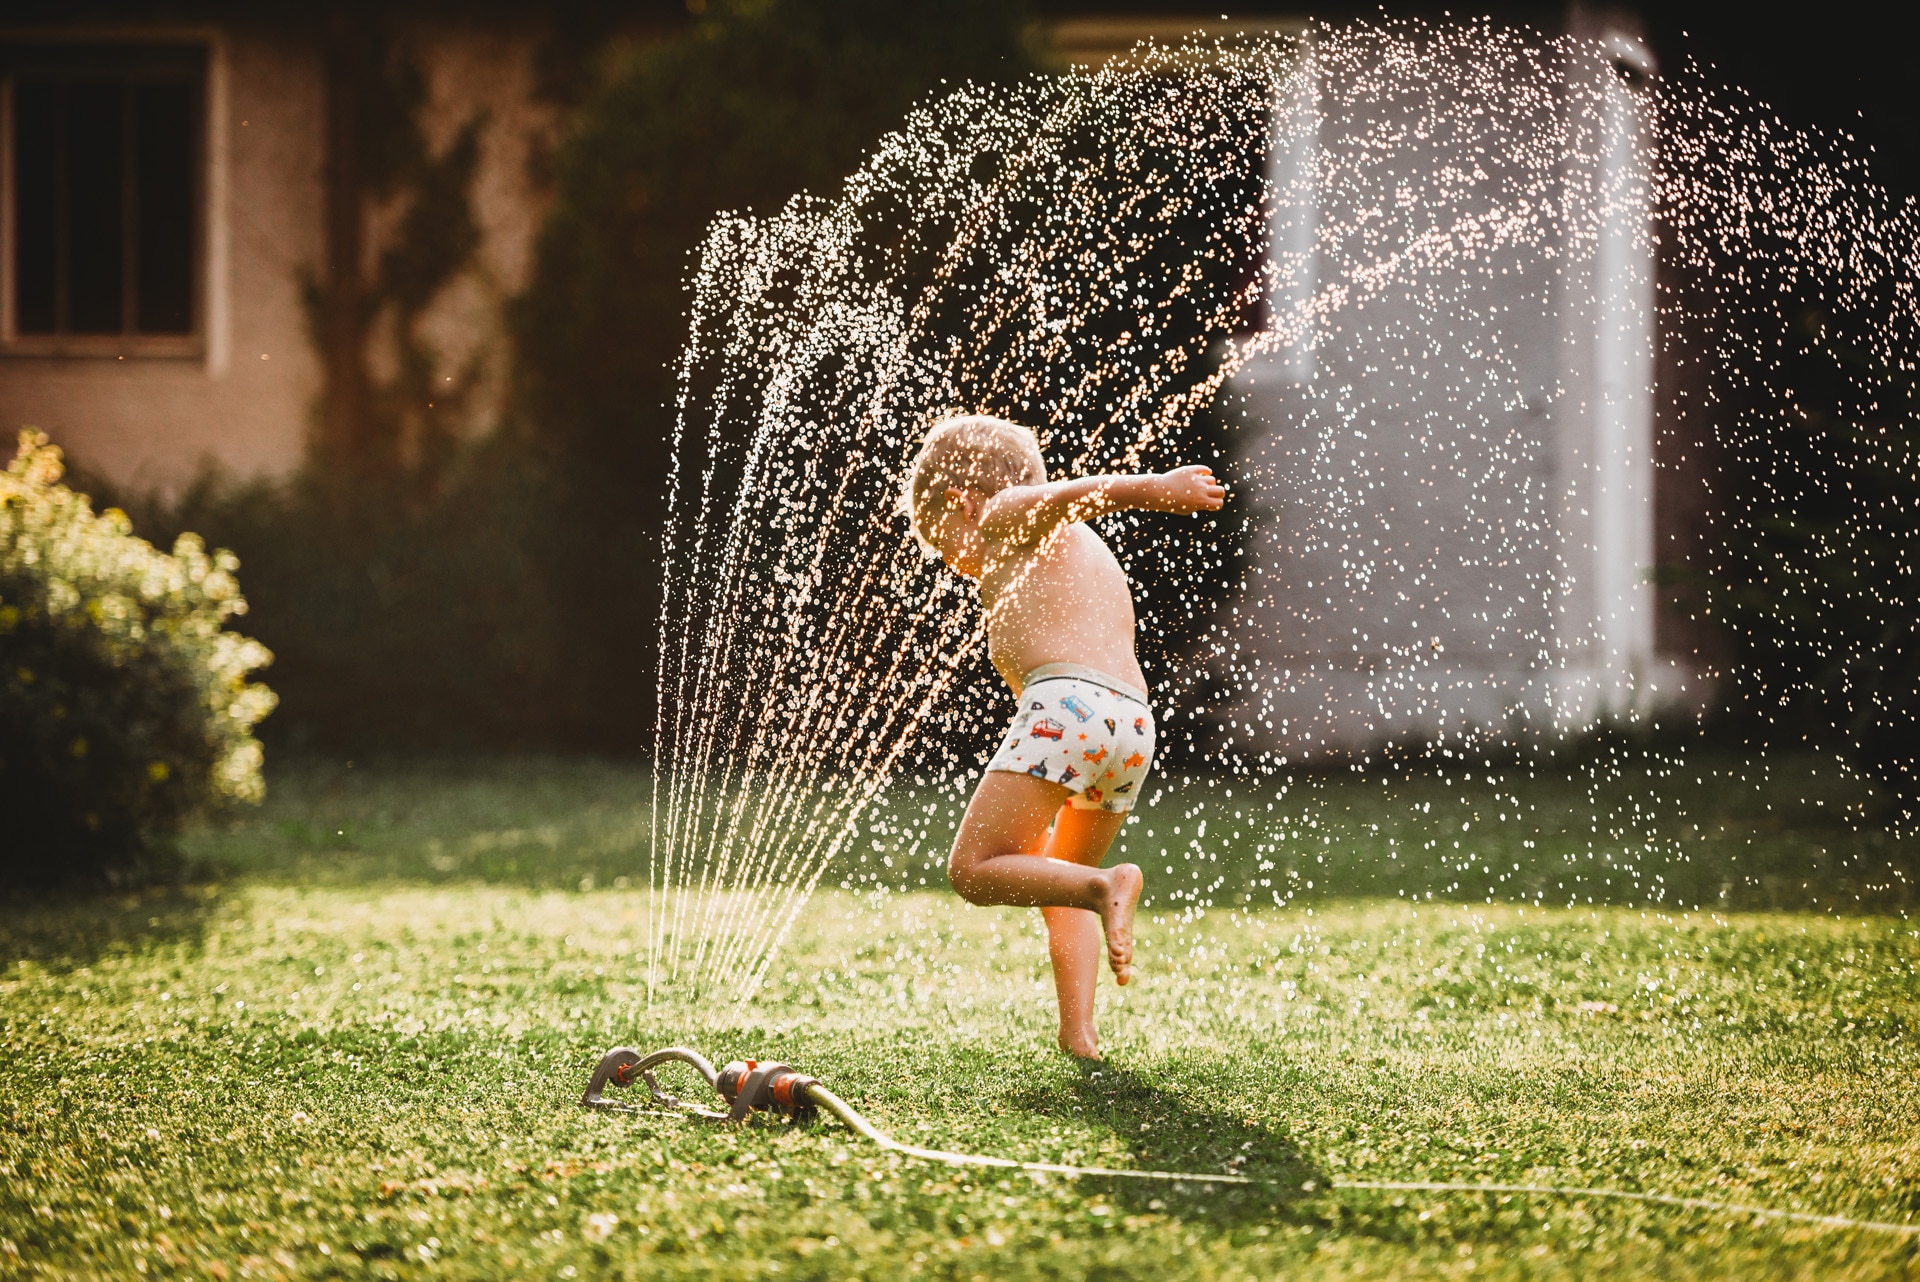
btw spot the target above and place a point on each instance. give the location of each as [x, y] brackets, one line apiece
[1191, 489]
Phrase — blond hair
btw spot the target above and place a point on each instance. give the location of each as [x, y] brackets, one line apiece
[968, 452]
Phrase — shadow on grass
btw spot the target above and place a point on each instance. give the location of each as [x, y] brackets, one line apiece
[1163, 1130]
[1792, 833]
[543, 821]
[63, 930]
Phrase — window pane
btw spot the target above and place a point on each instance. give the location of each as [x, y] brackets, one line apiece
[96, 160]
[163, 126]
[36, 110]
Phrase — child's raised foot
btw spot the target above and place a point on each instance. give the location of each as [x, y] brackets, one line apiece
[1122, 893]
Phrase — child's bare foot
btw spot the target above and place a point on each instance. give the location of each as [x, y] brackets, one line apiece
[1120, 893]
[1083, 1044]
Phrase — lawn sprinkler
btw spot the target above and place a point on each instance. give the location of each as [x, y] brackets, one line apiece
[753, 1086]
[747, 1085]
[767, 1086]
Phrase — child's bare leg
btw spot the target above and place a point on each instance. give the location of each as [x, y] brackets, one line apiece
[1073, 934]
[1073, 942]
[991, 863]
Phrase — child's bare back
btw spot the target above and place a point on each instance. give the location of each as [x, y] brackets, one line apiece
[1060, 626]
[1063, 599]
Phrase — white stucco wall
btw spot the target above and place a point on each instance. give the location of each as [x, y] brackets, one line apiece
[246, 402]
[1453, 486]
[149, 421]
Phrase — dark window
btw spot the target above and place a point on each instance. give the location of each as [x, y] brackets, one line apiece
[105, 146]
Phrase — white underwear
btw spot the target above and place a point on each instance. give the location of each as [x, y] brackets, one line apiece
[1084, 730]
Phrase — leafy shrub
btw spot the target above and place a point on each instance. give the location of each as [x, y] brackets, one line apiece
[404, 609]
[1818, 585]
[760, 99]
[124, 700]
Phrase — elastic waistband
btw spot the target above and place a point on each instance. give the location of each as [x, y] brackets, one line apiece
[1081, 672]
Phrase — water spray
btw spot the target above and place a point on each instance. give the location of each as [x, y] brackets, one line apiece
[768, 1086]
[1424, 251]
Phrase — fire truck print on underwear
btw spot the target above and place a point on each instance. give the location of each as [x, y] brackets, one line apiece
[1094, 740]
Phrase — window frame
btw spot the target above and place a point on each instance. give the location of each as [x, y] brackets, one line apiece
[119, 54]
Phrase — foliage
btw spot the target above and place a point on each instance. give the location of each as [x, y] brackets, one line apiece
[405, 610]
[124, 700]
[759, 100]
[409, 420]
[1819, 586]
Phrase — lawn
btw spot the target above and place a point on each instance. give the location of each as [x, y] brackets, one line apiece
[353, 1048]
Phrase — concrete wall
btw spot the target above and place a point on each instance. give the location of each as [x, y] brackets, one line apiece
[148, 420]
[1453, 485]
[246, 399]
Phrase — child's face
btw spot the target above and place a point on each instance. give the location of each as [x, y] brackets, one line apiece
[955, 532]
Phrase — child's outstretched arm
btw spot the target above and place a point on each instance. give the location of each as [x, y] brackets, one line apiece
[1025, 514]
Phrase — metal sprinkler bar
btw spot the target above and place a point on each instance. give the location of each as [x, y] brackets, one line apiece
[748, 1086]
[754, 1086]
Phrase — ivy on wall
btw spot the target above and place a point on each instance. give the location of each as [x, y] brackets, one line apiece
[388, 412]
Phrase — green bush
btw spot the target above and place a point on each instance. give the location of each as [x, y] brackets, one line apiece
[404, 609]
[1818, 586]
[124, 700]
[758, 100]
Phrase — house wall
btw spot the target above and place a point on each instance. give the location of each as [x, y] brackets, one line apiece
[247, 400]
[1453, 485]
[485, 73]
[1402, 558]
[147, 421]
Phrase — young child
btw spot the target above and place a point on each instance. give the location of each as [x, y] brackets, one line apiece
[1060, 630]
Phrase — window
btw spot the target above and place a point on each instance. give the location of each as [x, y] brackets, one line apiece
[103, 149]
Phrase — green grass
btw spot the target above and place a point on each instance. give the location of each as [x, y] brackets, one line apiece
[1623, 826]
[357, 1054]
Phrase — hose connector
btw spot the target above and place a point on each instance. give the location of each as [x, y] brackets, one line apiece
[750, 1086]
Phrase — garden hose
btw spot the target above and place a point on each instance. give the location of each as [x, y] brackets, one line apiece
[751, 1086]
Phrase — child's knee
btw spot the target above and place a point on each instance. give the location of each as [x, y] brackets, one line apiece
[962, 876]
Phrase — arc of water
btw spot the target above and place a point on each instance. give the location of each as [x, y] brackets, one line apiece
[686, 709]
[776, 678]
[713, 659]
[808, 772]
[696, 783]
[713, 264]
[703, 751]
[689, 794]
[718, 792]
[758, 750]
[796, 733]
[797, 896]
[883, 733]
